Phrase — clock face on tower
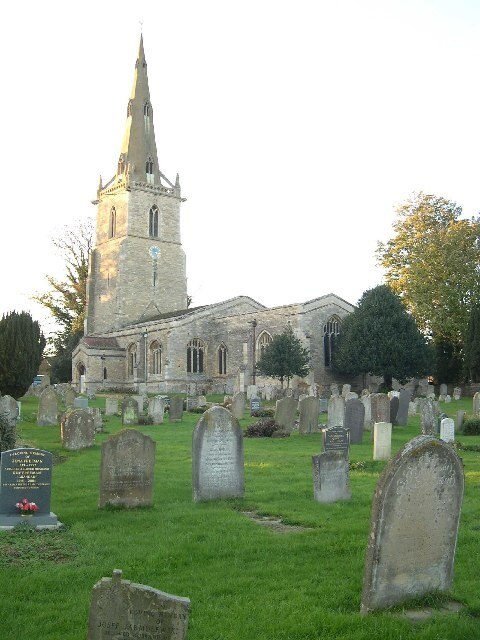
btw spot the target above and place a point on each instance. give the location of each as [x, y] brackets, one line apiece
[154, 252]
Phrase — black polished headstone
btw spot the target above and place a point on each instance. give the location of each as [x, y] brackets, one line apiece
[336, 439]
[255, 405]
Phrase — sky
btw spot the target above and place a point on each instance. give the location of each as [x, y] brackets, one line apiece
[297, 128]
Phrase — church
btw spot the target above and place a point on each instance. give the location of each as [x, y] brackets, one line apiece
[140, 332]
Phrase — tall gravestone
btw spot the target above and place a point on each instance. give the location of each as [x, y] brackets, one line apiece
[26, 473]
[334, 391]
[354, 420]
[126, 469]
[443, 389]
[427, 416]
[129, 411]
[457, 393]
[69, 397]
[380, 407]
[111, 406]
[123, 609]
[460, 419]
[77, 430]
[175, 409]
[366, 400]
[447, 430]
[403, 404]
[285, 413]
[330, 477]
[309, 411]
[394, 404]
[346, 388]
[217, 456]
[238, 405]
[476, 405]
[382, 440]
[9, 409]
[414, 526]
[47, 414]
[156, 408]
[336, 411]
[140, 400]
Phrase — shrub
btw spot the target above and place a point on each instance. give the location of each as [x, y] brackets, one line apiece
[145, 420]
[264, 428]
[471, 427]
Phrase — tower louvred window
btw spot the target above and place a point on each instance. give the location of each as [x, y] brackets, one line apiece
[149, 170]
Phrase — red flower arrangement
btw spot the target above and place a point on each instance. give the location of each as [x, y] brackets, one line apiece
[26, 507]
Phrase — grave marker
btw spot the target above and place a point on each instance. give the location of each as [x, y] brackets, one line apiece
[330, 477]
[354, 420]
[285, 413]
[382, 440]
[77, 430]
[309, 409]
[129, 411]
[336, 439]
[336, 411]
[447, 430]
[175, 409]
[156, 409]
[47, 414]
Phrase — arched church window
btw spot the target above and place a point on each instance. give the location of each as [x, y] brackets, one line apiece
[264, 339]
[149, 170]
[153, 222]
[331, 330]
[222, 359]
[112, 224]
[131, 359]
[155, 357]
[195, 356]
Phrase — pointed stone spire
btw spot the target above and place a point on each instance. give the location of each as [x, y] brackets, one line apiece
[139, 149]
[100, 186]
[177, 186]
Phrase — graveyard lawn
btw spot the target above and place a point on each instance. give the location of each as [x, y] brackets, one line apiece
[244, 580]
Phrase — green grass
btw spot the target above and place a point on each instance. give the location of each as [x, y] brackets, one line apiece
[244, 580]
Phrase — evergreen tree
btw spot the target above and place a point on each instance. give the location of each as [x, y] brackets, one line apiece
[284, 358]
[21, 350]
[472, 346]
[380, 338]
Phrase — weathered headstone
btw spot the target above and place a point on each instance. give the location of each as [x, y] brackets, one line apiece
[457, 393]
[448, 398]
[323, 405]
[460, 419]
[175, 409]
[334, 389]
[124, 609]
[80, 402]
[97, 418]
[443, 389]
[191, 402]
[126, 469]
[380, 407]
[286, 413]
[217, 456]
[336, 411]
[238, 405]
[351, 395]
[394, 404]
[69, 397]
[382, 440]
[366, 400]
[447, 430]
[252, 391]
[414, 525]
[427, 416]
[441, 398]
[403, 404]
[330, 477]
[47, 414]
[309, 410]
[26, 473]
[129, 411]
[346, 389]
[77, 430]
[156, 408]
[412, 408]
[354, 420]
[10, 411]
[140, 400]
[111, 406]
[202, 401]
[336, 439]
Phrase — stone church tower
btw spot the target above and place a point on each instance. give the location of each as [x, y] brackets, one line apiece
[137, 269]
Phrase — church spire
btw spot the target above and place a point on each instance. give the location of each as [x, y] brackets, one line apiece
[138, 155]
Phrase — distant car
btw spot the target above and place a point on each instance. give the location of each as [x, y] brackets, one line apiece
[37, 381]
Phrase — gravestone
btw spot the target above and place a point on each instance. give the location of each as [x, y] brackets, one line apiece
[202, 401]
[354, 420]
[346, 389]
[430, 391]
[460, 419]
[126, 469]
[441, 398]
[334, 391]
[336, 411]
[69, 397]
[238, 405]
[255, 405]
[252, 391]
[156, 408]
[382, 440]
[476, 405]
[9, 409]
[124, 609]
[26, 473]
[129, 411]
[217, 456]
[140, 400]
[457, 393]
[191, 402]
[175, 409]
[336, 439]
[414, 526]
[412, 408]
[80, 402]
[77, 430]
[380, 407]
[323, 405]
[394, 404]
[111, 406]
[47, 414]
[427, 416]
[366, 400]
[330, 477]
[403, 404]
[443, 389]
[309, 410]
[286, 413]
[447, 430]
[448, 398]
[97, 418]
[351, 395]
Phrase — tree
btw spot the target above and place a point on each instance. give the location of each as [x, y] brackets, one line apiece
[21, 349]
[433, 263]
[67, 299]
[472, 346]
[284, 358]
[380, 338]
